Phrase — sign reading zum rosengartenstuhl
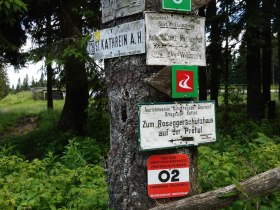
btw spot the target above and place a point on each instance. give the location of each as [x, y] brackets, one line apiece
[122, 40]
[175, 39]
[169, 125]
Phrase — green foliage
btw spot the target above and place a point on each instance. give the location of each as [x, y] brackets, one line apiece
[80, 151]
[23, 103]
[47, 184]
[98, 122]
[235, 95]
[8, 8]
[245, 149]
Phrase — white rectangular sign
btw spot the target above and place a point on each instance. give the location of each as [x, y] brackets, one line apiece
[168, 125]
[112, 9]
[122, 40]
[175, 39]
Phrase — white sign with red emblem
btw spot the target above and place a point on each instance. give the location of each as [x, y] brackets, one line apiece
[168, 176]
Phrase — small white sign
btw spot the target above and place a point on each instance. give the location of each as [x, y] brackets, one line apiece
[175, 39]
[112, 9]
[122, 40]
[168, 125]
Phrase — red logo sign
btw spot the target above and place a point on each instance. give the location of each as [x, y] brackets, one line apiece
[168, 176]
[184, 81]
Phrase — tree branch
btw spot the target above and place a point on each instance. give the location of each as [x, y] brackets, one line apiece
[256, 186]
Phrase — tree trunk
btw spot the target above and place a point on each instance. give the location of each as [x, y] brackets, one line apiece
[227, 54]
[127, 170]
[127, 173]
[255, 106]
[73, 117]
[49, 86]
[256, 186]
[214, 51]
[267, 50]
[202, 79]
[278, 40]
[49, 66]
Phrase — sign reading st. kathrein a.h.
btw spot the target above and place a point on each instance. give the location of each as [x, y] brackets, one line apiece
[172, 125]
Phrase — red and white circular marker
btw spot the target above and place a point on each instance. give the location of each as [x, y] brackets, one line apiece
[168, 176]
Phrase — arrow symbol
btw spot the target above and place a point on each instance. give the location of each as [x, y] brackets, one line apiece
[186, 139]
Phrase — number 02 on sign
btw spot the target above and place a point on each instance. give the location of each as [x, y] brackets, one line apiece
[168, 176]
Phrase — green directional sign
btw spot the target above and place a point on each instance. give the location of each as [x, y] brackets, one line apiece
[180, 5]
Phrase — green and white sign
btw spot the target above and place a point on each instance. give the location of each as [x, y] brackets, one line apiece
[184, 81]
[178, 124]
[180, 5]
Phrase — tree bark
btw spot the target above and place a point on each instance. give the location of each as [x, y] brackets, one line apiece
[127, 173]
[73, 117]
[256, 186]
[255, 106]
[127, 166]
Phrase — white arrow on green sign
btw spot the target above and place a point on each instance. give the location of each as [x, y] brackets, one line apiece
[178, 5]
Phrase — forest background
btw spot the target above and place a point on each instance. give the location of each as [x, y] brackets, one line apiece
[58, 164]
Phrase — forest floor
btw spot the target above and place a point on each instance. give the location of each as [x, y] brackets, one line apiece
[23, 125]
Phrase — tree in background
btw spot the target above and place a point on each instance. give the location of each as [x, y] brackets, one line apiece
[202, 70]
[71, 21]
[277, 20]
[42, 23]
[42, 81]
[255, 105]
[25, 83]
[267, 12]
[4, 83]
[58, 29]
[214, 49]
[18, 87]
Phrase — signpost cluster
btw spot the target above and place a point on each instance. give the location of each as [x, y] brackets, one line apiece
[176, 39]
